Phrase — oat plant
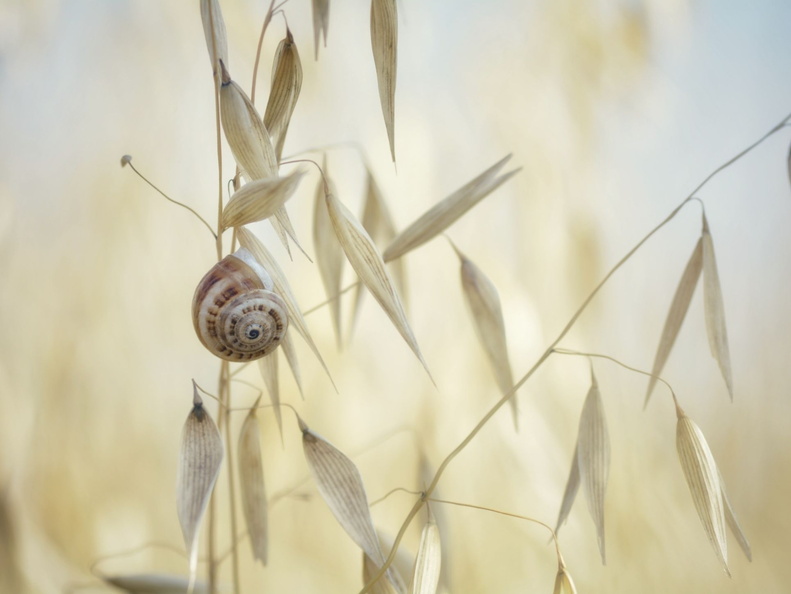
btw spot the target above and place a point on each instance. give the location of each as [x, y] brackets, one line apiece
[245, 310]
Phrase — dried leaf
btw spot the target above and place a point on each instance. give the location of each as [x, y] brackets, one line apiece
[329, 256]
[376, 220]
[321, 22]
[384, 42]
[287, 345]
[428, 560]
[593, 458]
[268, 368]
[200, 459]
[733, 522]
[245, 132]
[572, 486]
[251, 481]
[284, 91]
[715, 310]
[446, 212]
[341, 486]
[702, 476]
[487, 316]
[260, 199]
[677, 313]
[142, 583]
[369, 266]
[296, 320]
[214, 31]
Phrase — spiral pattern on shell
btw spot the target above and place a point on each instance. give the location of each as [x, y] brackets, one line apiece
[236, 314]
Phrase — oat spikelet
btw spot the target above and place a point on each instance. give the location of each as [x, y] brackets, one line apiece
[329, 256]
[341, 486]
[284, 91]
[593, 458]
[714, 309]
[369, 266]
[570, 493]
[677, 313]
[487, 316]
[251, 481]
[563, 582]
[200, 459]
[733, 522]
[321, 22]
[446, 212]
[428, 560]
[260, 199]
[296, 320]
[700, 470]
[245, 131]
[384, 42]
[214, 31]
[141, 583]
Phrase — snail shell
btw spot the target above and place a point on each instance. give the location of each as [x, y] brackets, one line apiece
[236, 314]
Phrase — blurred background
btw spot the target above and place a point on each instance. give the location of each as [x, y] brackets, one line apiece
[614, 110]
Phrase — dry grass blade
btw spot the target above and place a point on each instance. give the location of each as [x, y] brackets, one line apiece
[593, 458]
[284, 91]
[296, 320]
[287, 345]
[376, 220]
[321, 22]
[572, 486]
[733, 522]
[702, 476]
[369, 266]
[200, 459]
[268, 368]
[341, 486]
[428, 561]
[677, 313]
[715, 310]
[487, 316]
[260, 199]
[214, 31]
[384, 42]
[142, 583]
[563, 583]
[251, 482]
[245, 132]
[329, 256]
[446, 212]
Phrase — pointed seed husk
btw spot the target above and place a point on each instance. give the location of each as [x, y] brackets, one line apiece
[268, 367]
[446, 212]
[593, 458]
[260, 199]
[487, 316]
[153, 583]
[733, 522]
[296, 320]
[245, 132]
[384, 43]
[563, 583]
[321, 22]
[251, 481]
[284, 91]
[329, 256]
[340, 485]
[369, 266]
[715, 310]
[287, 346]
[677, 313]
[428, 560]
[570, 493]
[700, 470]
[214, 31]
[200, 458]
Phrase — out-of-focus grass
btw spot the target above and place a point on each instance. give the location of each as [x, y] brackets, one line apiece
[614, 116]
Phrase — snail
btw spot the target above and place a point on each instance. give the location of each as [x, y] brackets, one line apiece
[237, 315]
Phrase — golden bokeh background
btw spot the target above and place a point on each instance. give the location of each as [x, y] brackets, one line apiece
[614, 110]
